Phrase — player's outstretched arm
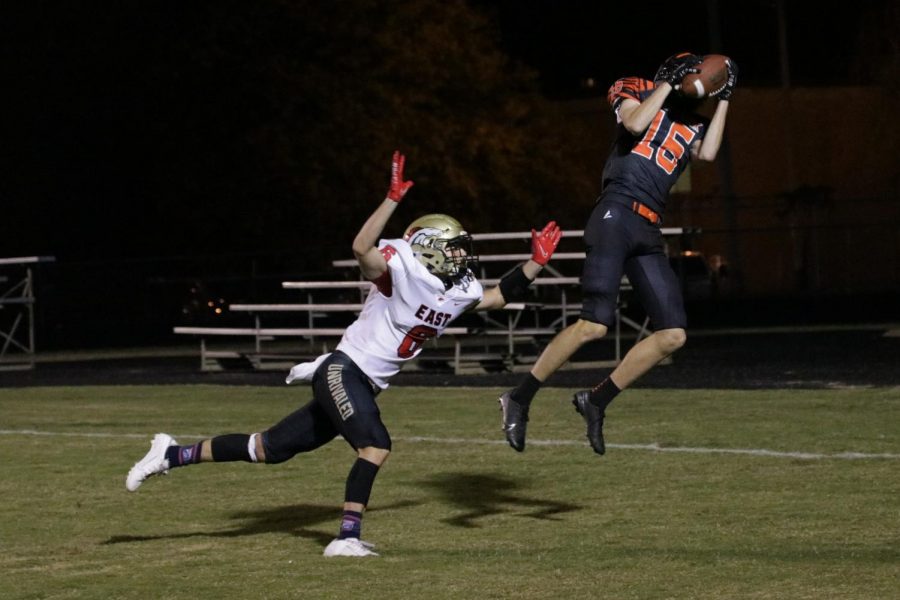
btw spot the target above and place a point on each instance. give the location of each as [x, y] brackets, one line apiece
[637, 116]
[371, 262]
[513, 286]
[708, 149]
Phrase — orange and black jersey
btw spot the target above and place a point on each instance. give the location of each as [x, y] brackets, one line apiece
[646, 167]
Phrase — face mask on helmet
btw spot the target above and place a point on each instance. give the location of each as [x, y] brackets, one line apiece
[441, 244]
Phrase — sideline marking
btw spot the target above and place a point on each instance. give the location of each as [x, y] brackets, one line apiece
[455, 441]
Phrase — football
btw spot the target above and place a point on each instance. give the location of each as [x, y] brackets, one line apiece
[712, 76]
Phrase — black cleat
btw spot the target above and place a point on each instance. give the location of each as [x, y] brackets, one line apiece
[514, 421]
[593, 416]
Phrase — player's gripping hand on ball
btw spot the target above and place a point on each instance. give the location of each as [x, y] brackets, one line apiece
[730, 83]
[677, 67]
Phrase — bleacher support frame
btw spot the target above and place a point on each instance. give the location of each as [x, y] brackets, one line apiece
[17, 327]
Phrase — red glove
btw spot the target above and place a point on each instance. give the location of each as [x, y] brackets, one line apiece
[398, 186]
[544, 243]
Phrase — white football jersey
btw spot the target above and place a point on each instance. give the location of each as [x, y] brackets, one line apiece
[405, 308]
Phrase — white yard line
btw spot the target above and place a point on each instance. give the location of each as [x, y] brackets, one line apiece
[474, 441]
[657, 448]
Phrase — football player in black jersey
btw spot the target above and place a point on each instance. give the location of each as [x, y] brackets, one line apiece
[658, 133]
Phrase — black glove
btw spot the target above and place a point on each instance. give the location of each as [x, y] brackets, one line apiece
[676, 67]
[728, 88]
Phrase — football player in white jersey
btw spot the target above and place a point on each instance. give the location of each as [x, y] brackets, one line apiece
[421, 283]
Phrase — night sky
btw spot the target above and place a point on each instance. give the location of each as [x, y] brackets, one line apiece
[570, 41]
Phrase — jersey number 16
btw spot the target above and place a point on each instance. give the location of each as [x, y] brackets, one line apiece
[671, 150]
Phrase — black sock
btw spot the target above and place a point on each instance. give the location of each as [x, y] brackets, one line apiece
[351, 525]
[231, 447]
[526, 390]
[604, 393]
[182, 456]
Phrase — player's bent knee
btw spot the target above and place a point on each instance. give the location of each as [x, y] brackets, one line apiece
[259, 449]
[672, 339]
[589, 331]
[274, 451]
[374, 455]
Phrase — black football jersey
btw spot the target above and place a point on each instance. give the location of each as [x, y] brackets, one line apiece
[645, 168]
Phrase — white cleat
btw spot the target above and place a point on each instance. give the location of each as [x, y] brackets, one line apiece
[349, 547]
[153, 463]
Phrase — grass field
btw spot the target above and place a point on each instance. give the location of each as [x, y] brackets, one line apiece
[455, 512]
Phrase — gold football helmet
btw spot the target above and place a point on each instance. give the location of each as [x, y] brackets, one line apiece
[441, 244]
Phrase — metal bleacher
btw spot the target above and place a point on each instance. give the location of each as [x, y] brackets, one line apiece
[499, 340]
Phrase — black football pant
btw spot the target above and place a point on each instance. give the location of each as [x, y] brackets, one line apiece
[343, 404]
[620, 241]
